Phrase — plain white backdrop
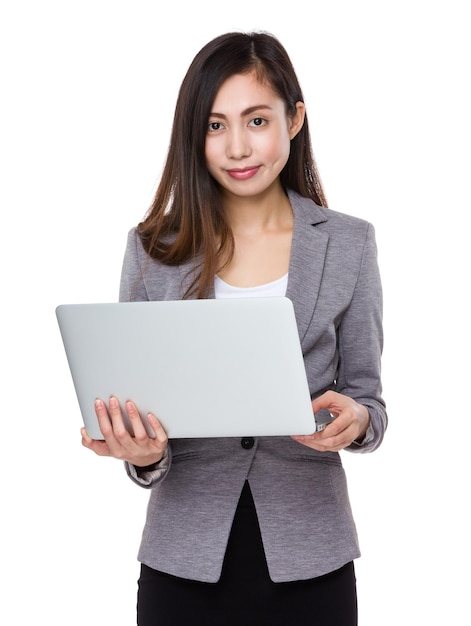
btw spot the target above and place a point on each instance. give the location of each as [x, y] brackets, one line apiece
[88, 92]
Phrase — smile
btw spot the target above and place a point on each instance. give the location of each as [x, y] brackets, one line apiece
[243, 173]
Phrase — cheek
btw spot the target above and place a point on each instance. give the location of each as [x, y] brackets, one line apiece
[210, 154]
[278, 148]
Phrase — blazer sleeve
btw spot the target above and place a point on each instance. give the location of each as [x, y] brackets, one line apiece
[132, 286]
[361, 345]
[133, 289]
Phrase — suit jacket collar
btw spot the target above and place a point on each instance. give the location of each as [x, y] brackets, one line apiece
[308, 251]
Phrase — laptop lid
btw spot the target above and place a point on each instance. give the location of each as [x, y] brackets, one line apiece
[205, 368]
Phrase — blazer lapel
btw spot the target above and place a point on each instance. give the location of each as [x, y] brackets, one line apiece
[308, 252]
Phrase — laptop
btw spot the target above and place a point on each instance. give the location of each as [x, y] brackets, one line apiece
[205, 368]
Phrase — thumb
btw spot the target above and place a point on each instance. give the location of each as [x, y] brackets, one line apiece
[325, 401]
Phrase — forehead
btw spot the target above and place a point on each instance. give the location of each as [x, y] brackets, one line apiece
[243, 91]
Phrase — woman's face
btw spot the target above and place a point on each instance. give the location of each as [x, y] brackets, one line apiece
[248, 136]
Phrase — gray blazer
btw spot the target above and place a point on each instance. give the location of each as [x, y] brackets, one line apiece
[300, 494]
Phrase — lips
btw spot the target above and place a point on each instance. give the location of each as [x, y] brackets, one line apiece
[243, 173]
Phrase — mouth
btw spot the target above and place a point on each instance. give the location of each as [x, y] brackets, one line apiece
[243, 173]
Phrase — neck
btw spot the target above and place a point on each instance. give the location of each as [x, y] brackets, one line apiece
[267, 211]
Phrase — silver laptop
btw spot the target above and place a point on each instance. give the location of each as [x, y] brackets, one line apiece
[205, 368]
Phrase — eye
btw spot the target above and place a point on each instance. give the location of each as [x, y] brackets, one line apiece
[258, 121]
[214, 127]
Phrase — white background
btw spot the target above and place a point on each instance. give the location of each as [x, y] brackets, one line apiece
[88, 91]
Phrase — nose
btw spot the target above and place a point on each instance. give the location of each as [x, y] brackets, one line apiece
[238, 144]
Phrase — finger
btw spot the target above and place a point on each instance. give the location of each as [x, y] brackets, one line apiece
[112, 428]
[338, 441]
[103, 418]
[330, 439]
[336, 427]
[98, 446]
[116, 419]
[309, 442]
[86, 439]
[328, 400]
[135, 419]
[159, 431]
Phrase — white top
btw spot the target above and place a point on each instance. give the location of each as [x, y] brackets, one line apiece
[276, 288]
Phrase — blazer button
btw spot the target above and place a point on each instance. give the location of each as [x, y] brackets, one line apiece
[247, 442]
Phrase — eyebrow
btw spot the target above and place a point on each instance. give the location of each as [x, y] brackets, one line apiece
[245, 112]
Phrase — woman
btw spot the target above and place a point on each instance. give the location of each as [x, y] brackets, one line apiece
[258, 530]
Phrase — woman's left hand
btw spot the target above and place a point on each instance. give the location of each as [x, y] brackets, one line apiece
[350, 423]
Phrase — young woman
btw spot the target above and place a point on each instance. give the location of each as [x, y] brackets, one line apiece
[258, 530]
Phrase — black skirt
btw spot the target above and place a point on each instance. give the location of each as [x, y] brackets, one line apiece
[245, 595]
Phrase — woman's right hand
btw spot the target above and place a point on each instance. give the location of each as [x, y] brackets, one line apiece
[139, 450]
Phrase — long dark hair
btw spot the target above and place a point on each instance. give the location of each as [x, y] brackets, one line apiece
[186, 220]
